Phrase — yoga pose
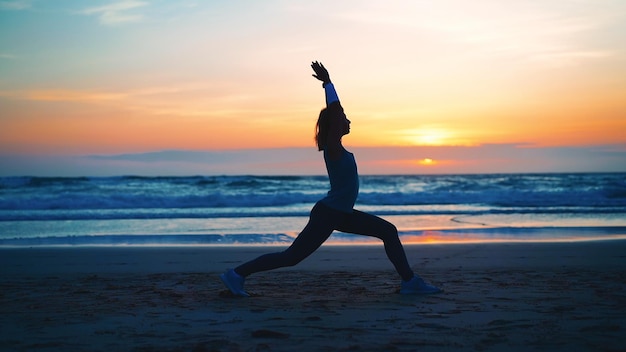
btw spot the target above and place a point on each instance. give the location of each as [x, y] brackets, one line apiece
[335, 211]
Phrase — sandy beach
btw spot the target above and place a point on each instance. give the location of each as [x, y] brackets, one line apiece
[498, 296]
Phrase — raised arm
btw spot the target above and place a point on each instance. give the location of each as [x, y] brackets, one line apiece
[321, 73]
[338, 121]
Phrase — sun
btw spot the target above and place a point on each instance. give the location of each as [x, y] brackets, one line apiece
[426, 162]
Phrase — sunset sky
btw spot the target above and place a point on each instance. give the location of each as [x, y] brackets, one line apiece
[220, 87]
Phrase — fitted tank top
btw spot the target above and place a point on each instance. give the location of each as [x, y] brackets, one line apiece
[344, 182]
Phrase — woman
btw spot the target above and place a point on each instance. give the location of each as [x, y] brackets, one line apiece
[335, 211]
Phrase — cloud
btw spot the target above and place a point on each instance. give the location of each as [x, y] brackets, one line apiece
[61, 95]
[488, 158]
[568, 57]
[116, 13]
[15, 5]
[93, 96]
[200, 98]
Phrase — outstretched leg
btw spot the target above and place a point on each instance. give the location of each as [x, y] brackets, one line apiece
[361, 223]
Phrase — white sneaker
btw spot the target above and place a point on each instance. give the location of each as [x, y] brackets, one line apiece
[234, 282]
[417, 286]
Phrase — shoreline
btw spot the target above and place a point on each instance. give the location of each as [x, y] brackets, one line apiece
[514, 296]
[486, 234]
[329, 243]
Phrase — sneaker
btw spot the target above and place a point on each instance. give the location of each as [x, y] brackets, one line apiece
[234, 282]
[417, 286]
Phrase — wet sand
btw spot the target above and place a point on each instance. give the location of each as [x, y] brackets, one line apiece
[498, 296]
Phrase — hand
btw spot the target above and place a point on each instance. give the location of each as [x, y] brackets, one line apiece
[320, 72]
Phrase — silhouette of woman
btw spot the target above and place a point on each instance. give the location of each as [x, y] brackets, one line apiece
[335, 211]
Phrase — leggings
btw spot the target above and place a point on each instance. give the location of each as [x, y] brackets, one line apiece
[322, 222]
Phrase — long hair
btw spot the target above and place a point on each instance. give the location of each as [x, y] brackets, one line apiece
[321, 129]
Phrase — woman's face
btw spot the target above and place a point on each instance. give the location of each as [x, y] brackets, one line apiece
[347, 130]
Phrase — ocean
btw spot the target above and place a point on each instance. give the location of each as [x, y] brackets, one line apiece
[271, 210]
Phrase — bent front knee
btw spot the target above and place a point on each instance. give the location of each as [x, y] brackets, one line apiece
[390, 233]
[391, 230]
